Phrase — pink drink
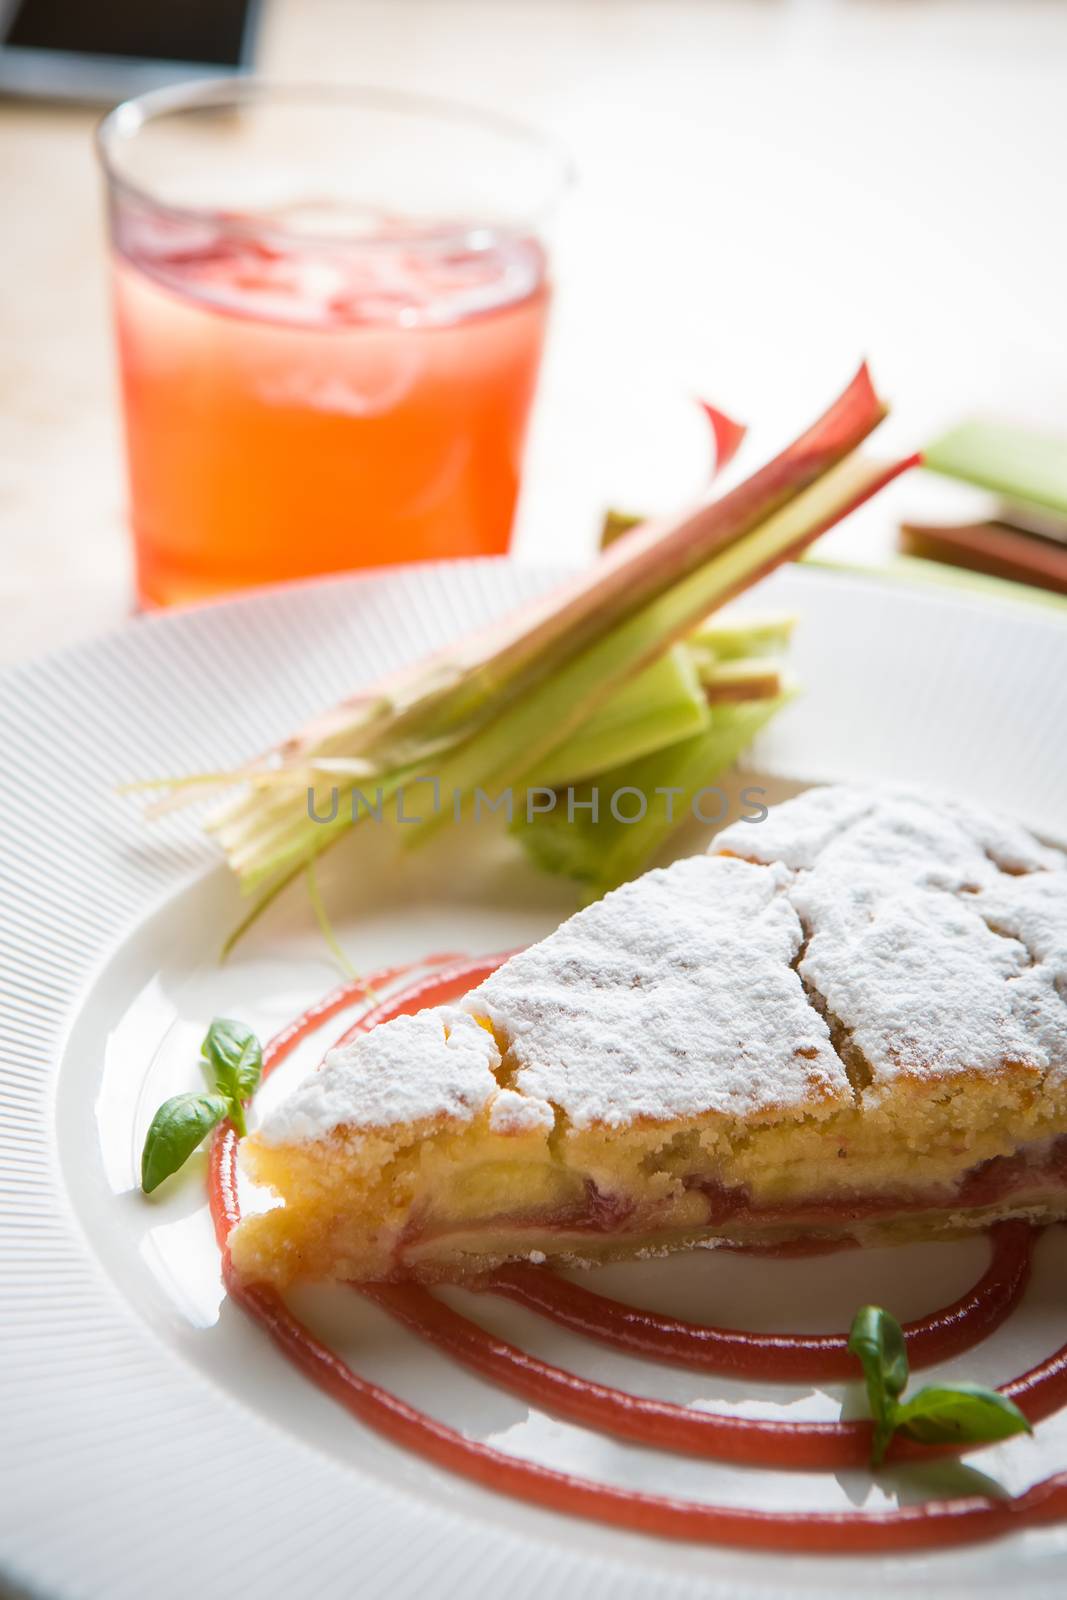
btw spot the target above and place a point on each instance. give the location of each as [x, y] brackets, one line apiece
[305, 411]
[330, 307]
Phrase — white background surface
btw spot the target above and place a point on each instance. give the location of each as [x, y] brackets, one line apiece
[769, 188]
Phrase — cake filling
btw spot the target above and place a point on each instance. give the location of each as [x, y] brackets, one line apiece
[849, 1021]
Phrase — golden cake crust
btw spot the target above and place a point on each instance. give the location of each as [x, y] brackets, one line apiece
[865, 995]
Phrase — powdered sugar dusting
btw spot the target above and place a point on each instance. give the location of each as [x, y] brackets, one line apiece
[512, 1112]
[797, 832]
[920, 943]
[672, 997]
[436, 1064]
[932, 936]
[1033, 911]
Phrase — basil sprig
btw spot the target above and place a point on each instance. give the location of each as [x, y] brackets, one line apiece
[179, 1125]
[232, 1054]
[939, 1414]
[233, 1060]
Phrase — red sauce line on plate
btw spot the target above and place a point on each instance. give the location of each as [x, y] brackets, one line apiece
[453, 977]
[755, 1441]
[778, 1356]
[933, 1524]
[222, 1165]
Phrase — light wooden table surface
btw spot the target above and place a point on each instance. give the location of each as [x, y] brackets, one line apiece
[769, 189]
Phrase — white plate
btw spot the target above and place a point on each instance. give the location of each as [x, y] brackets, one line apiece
[153, 1442]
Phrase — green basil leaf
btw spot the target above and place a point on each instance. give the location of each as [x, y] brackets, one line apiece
[876, 1340]
[233, 1054]
[884, 1430]
[177, 1128]
[958, 1413]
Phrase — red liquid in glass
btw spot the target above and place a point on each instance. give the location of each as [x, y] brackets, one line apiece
[310, 407]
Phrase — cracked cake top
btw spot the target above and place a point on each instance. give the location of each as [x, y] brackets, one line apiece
[935, 934]
[852, 938]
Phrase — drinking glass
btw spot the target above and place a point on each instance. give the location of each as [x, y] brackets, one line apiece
[330, 306]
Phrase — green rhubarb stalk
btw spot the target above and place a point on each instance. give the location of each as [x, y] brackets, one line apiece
[663, 703]
[655, 557]
[1018, 463]
[601, 854]
[453, 694]
[517, 745]
[615, 524]
[512, 749]
[727, 635]
[493, 708]
[296, 837]
[746, 678]
[488, 670]
[914, 569]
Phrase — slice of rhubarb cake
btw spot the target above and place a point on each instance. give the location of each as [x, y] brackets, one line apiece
[850, 1018]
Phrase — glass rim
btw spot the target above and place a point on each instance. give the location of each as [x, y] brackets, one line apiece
[126, 120]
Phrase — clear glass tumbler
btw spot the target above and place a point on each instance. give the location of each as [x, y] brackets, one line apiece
[330, 308]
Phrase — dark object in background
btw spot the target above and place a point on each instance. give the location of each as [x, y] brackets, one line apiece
[995, 548]
[113, 49]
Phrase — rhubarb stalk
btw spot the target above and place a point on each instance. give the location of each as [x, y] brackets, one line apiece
[495, 708]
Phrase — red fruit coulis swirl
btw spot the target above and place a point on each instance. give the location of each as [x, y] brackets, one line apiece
[723, 1437]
